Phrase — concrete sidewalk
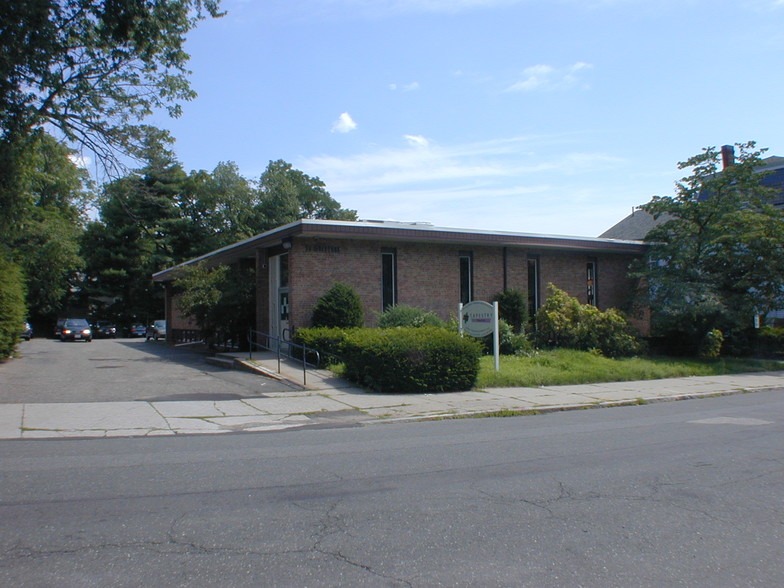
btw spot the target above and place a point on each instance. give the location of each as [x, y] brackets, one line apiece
[330, 401]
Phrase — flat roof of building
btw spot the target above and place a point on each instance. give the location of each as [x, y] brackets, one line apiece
[399, 231]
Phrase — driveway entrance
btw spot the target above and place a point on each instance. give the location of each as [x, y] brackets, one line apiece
[112, 370]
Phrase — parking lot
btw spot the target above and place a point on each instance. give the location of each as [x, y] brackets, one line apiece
[111, 370]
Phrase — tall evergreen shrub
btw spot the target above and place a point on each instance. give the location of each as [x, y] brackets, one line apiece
[12, 306]
[513, 308]
[339, 307]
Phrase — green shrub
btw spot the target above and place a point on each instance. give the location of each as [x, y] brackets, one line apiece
[769, 341]
[710, 346]
[411, 359]
[339, 307]
[12, 306]
[563, 322]
[509, 342]
[408, 316]
[328, 341]
[513, 308]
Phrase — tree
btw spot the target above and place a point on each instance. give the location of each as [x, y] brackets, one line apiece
[219, 299]
[91, 68]
[141, 231]
[288, 194]
[222, 205]
[717, 260]
[54, 195]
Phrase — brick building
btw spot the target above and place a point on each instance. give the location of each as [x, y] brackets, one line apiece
[414, 264]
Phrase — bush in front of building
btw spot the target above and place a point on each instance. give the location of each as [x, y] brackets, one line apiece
[402, 315]
[509, 341]
[12, 306]
[513, 308]
[339, 307]
[411, 359]
[328, 341]
[563, 322]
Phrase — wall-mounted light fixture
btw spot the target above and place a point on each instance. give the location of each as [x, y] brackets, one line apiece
[286, 243]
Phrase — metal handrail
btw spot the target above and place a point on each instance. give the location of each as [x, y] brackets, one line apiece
[278, 341]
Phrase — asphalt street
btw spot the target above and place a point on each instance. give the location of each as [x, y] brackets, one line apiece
[672, 494]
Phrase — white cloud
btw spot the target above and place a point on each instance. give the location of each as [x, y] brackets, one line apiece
[547, 77]
[80, 160]
[499, 184]
[344, 124]
[413, 86]
[416, 140]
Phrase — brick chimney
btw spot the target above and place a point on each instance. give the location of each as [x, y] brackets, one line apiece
[727, 156]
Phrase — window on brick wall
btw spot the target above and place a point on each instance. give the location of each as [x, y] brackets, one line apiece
[466, 276]
[388, 278]
[590, 275]
[533, 285]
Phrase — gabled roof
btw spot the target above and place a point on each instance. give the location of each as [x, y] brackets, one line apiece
[405, 232]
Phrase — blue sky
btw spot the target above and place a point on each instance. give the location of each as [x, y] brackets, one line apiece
[537, 116]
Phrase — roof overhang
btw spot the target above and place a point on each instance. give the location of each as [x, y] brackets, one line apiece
[403, 232]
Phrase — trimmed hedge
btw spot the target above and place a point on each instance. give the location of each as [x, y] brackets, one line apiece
[411, 359]
[328, 341]
[402, 315]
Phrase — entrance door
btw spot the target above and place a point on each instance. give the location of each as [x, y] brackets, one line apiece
[279, 296]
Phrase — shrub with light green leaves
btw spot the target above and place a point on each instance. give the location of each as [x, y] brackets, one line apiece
[563, 322]
[411, 359]
[402, 315]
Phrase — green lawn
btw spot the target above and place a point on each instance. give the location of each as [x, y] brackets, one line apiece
[566, 366]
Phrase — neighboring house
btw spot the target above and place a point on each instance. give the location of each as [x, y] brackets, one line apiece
[416, 264]
[638, 224]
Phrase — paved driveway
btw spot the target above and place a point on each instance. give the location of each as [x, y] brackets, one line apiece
[111, 370]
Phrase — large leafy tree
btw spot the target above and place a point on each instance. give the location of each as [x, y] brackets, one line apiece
[91, 68]
[223, 206]
[717, 256]
[53, 199]
[287, 194]
[87, 72]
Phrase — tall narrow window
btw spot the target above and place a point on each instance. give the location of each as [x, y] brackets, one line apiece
[590, 275]
[466, 276]
[533, 285]
[388, 278]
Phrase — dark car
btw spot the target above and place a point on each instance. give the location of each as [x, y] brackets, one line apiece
[27, 332]
[104, 329]
[157, 330]
[137, 330]
[76, 330]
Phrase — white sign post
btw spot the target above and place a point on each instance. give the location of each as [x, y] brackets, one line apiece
[479, 319]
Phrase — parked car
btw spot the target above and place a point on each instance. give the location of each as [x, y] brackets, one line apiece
[27, 332]
[104, 329]
[157, 330]
[137, 330]
[59, 327]
[76, 330]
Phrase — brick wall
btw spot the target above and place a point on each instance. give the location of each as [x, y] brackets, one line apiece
[428, 275]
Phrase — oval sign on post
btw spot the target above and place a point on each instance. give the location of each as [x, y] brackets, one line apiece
[477, 318]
